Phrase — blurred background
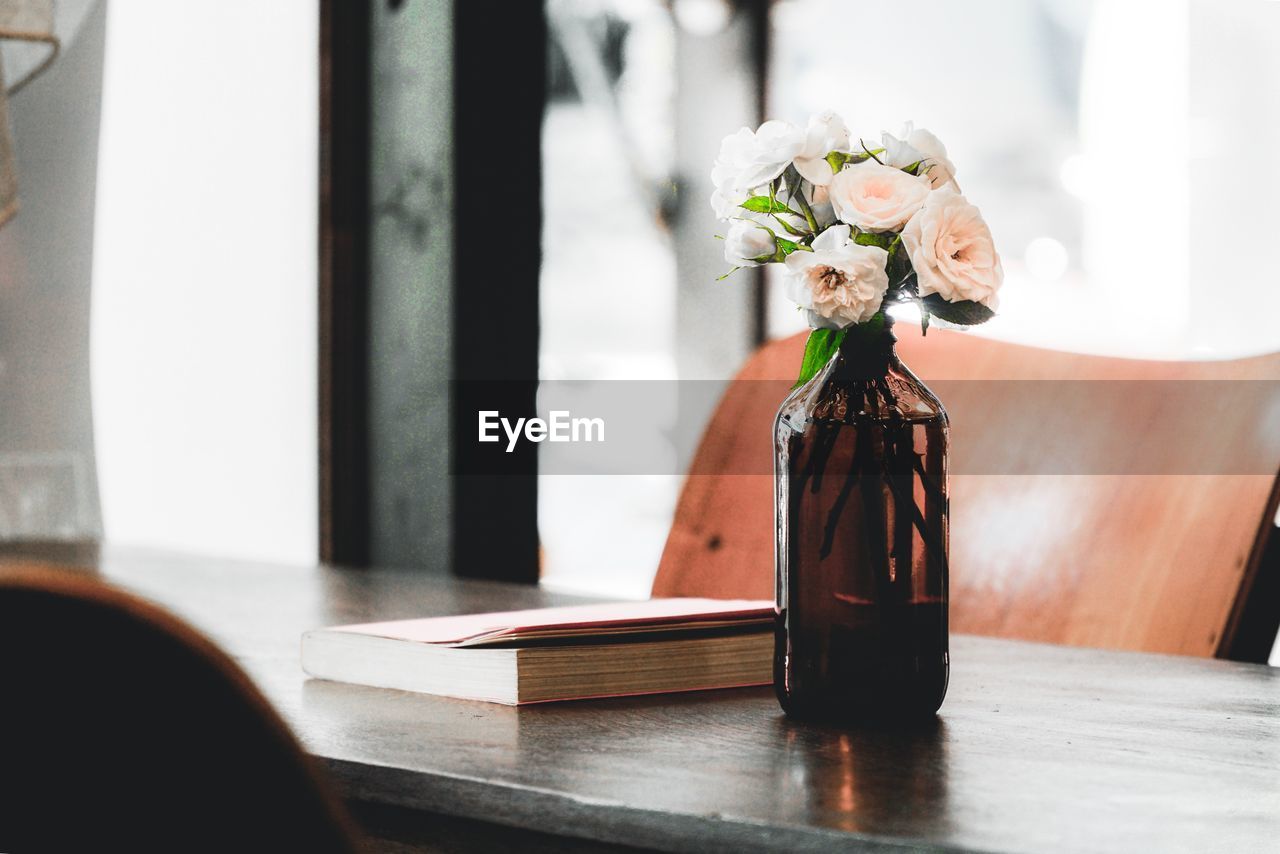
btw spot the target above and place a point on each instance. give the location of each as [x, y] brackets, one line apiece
[1121, 151]
[1113, 146]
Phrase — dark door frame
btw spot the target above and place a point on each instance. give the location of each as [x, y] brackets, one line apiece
[344, 282]
[497, 120]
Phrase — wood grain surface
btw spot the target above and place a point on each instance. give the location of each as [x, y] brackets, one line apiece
[1038, 747]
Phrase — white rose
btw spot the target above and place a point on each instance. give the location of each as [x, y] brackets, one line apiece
[746, 242]
[951, 249]
[750, 160]
[839, 283]
[875, 197]
[826, 133]
[916, 145]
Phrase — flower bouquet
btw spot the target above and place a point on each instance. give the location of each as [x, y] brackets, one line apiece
[861, 444]
[858, 228]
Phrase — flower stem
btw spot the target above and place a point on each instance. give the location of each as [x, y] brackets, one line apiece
[796, 184]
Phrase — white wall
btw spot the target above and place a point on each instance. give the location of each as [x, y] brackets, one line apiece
[204, 308]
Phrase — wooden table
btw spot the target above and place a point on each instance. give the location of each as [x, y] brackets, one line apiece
[1037, 747]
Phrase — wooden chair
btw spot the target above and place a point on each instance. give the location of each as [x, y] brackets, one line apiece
[1158, 541]
[122, 729]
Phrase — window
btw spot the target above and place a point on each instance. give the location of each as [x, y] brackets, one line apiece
[608, 137]
[204, 327]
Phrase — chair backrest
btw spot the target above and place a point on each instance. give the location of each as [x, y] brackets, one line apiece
[121, 728]
[1154, 542]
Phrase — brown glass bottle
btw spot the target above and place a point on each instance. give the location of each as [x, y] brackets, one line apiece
[861, 497]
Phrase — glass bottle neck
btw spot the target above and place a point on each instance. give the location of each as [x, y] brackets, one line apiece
[867, 351]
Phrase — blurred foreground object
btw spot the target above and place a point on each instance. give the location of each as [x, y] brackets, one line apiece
[126, 721]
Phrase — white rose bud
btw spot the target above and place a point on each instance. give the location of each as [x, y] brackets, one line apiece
[917, 145]
[951, 250]
[875, 197]
[826, 133]
[727, 203]
[839, 283]
[820, 204]
[747, 243]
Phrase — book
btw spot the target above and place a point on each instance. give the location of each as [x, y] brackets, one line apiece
[546, 654]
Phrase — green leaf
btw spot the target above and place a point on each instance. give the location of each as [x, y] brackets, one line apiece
[728, 274]
[818, 350]
[766, 205]
[790, 229]
[963, 313]
[913, 169]
[837, 160]
[872, 152]
[870, 238]
[787, 246]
